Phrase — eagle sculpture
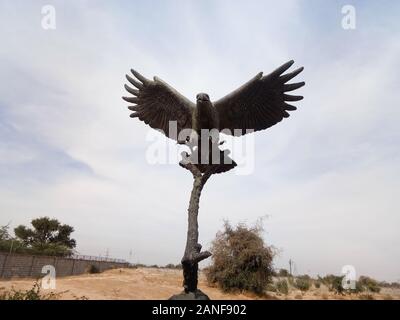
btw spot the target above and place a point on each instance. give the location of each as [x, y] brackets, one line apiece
[258, 104]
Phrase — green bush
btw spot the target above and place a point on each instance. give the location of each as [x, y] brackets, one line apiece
[302, 283]
[240, 259]
[359, 288]
[282, 286]
[317, 284]
[283, 273]
[334, 283]
[369, 284]
[92, 269]
[270, 287]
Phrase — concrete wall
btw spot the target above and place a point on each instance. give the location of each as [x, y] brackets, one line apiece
[21, 265]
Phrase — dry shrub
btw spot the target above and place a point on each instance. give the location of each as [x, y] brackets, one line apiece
[303, 283]
[282, 286]
[271, 288]
[173, 266]
[240, 259]
[334, 283]
[370, 284]
[34, 293]
[283, 273]
[91, 269]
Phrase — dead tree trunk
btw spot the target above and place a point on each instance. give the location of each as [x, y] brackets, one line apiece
[193, 254]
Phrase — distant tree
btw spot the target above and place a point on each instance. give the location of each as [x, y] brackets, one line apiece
[283, 273]
[7, 242]
[394, 285]
[4, 235]
[47, 235]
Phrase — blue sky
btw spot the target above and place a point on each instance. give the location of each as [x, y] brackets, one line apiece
[327, 177]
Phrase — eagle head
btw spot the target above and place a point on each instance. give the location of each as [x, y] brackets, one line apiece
[202, 97]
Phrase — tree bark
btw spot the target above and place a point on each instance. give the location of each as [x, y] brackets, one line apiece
[193, 254]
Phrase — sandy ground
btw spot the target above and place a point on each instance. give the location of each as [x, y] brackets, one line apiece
[150, 283]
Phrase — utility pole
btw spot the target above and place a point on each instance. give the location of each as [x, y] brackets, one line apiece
[290, 266]
[12, 241]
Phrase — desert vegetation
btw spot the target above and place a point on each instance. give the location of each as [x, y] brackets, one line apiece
[34, 293]
[242, 261]
[140, 283]
[241, 268]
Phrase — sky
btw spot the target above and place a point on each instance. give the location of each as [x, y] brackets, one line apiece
[326, 180]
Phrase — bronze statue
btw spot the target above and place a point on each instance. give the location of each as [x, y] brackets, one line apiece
[258, 104]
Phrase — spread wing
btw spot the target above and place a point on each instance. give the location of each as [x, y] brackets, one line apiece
[259, 103]
[157, 103]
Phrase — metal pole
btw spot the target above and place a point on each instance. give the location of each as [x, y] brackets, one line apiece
[73, 267]
[33, 260]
